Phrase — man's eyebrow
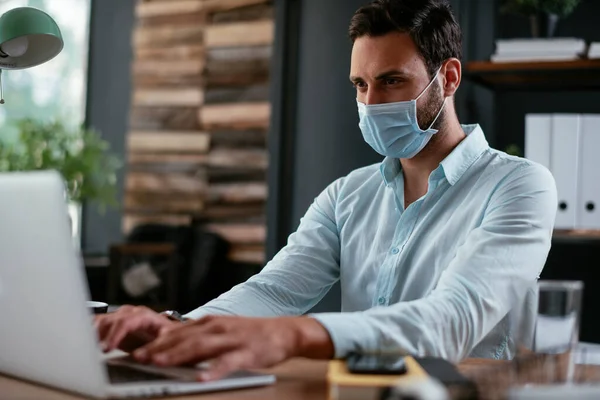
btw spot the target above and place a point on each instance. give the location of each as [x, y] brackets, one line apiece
[392, 72]
[384, 75]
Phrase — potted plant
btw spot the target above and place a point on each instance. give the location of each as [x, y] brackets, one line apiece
[543, 14]
[79, 154]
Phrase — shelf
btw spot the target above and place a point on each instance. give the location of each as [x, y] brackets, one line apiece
[542, 75]
[576, 236]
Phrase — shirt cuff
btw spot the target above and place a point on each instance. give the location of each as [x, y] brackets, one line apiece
[349, 332]
[197, 313]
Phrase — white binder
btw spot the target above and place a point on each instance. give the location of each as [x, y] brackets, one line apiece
[538, 129]
[588, 206]
[564, 162]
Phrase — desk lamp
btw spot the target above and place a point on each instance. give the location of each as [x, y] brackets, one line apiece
[28, 37]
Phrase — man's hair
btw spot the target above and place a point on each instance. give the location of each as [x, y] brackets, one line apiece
[430, 24]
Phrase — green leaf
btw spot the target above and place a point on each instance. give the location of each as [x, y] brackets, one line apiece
[81, 155]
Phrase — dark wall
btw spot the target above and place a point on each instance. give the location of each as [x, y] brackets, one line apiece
[323, 138]
[574, 259]
[329, 143]
[109, 88]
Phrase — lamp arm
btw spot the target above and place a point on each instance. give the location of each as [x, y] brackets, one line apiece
[1, 88]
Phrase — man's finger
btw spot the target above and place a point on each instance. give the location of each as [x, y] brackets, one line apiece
[226, 364]
[195, 350]
[163, 342]
[119, 329]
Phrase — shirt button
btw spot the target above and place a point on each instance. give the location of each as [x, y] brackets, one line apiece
[395, 250]
[381, 300]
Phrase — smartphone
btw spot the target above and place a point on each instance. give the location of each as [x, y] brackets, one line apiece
[376, 364]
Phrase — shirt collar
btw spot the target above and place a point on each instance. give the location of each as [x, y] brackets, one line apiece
[465, 154]
[390, 168]
[455, 164]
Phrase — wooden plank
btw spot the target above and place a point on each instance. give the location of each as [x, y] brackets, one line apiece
[247, 254]
[240, 34]
[172, 7]
[240, 74]
[165, 183]
[239, 158]
[233, 212]
[197, 18]
[235, 193]
[213, 6]
[168, 118]
[154, 158]
[130, 221]
[168, 142]
[168, 67]
[235, 116]
[166, 204]
[170, 53]
[153, 36]
[172, 81]
[240, 233]
[252, 93]
[172, 97]
[243, 161]
[171, 168]
[248, 138]
[238, 66]
[235, 175]
[248, 13]
[238, 55]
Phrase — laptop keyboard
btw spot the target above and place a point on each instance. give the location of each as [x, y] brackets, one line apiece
[123, 374]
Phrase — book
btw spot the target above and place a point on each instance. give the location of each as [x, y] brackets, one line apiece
[532, 57]
[525, 45]
[594, 51]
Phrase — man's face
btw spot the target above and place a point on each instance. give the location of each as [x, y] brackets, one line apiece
[387, 69]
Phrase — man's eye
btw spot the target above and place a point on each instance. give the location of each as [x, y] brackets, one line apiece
[360, 85]
[391, 81]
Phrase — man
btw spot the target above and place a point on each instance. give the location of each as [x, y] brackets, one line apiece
[438, 248]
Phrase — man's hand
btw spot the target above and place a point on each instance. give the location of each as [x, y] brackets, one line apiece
[233, 343]
[130, 327]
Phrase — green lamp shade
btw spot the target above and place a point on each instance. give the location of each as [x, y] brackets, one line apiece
[28, 37]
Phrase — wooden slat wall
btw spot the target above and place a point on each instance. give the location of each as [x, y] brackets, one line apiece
[199, 118]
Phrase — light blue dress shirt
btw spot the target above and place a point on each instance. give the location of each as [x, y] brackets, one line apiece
[452, 275]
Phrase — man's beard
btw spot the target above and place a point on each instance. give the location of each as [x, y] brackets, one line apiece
[430, 108]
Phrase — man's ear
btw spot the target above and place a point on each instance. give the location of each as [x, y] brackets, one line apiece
[451, 73]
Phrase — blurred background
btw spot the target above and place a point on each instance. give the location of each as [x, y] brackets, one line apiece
[212, 125]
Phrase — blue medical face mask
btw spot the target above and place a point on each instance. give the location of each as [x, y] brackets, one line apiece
[392, 130]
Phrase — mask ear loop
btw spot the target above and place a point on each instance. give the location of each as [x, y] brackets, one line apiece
[439, 113]
[443, 103]
[430, 83]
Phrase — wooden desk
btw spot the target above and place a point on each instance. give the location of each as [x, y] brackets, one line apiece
[296, 379]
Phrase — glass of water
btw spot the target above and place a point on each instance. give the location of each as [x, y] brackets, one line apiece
[556, 333]
[545, 359]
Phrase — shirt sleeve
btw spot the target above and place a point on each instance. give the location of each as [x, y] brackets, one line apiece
[298, 277]
[490, 274]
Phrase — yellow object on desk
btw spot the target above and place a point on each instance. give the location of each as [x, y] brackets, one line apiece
[344, 385]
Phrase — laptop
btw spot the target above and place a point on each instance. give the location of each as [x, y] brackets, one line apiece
[46, 333]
